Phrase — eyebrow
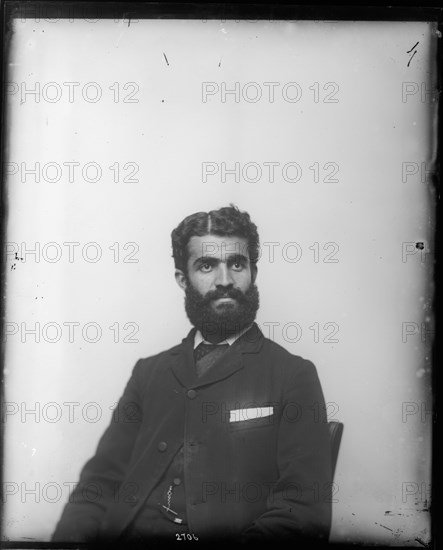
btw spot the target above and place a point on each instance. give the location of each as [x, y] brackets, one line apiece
[214, 260]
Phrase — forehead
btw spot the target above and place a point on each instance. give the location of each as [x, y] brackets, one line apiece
[216, 246]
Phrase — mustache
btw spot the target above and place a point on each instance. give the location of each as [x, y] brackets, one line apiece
[234, 293]
[226, 320]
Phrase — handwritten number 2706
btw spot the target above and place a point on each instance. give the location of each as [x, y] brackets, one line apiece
[186, 536]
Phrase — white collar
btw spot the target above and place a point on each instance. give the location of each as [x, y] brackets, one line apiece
[198, 338]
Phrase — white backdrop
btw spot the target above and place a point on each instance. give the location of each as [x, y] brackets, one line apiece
[152, 93]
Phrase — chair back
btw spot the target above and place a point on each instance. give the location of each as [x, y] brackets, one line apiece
[335, 434]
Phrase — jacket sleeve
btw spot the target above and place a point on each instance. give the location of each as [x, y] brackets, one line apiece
[299, 505]
[102, 475]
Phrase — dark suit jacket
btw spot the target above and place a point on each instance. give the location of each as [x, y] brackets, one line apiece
[254, 477]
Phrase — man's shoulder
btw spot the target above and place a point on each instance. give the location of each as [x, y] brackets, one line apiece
[282, 356]
[161, 356]
[165, 355]
[292, 370]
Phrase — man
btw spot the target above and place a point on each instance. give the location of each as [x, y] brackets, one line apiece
[217, 437]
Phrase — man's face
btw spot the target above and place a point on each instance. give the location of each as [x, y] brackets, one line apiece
[221, 297]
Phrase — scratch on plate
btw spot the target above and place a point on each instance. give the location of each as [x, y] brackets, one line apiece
[381, 525]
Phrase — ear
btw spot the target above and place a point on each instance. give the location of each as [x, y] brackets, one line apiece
[254, 271]
[180, 277]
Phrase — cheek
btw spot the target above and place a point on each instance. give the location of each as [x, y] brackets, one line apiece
[200, 282]
[243, 280]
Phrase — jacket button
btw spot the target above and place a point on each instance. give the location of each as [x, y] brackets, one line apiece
[177, 481]
[162, 446]
[191, 394]
[132, 500]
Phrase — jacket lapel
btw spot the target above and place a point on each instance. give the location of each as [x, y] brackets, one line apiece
[182, 359]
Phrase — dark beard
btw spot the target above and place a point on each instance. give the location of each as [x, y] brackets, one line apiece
[229, 318]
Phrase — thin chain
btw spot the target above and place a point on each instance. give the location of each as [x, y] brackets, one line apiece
[168, 507]
[169, 495]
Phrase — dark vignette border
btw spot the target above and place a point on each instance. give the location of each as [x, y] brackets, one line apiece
[103, 9]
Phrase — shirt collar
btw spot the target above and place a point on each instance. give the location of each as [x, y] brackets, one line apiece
[198, 338]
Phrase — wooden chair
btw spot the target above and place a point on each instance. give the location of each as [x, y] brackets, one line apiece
[335, 434]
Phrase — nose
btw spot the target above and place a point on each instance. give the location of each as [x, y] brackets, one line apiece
[223, 276]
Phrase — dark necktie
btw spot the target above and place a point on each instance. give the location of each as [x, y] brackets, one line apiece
[206, 355]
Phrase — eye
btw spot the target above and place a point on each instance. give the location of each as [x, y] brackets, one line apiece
[206, 267]
[237, 266]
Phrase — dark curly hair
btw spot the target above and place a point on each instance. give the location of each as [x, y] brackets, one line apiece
[228, 221]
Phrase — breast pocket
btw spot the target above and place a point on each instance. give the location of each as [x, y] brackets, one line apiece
[251, 418]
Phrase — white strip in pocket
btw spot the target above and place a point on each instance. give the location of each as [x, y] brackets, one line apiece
[249, 414]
